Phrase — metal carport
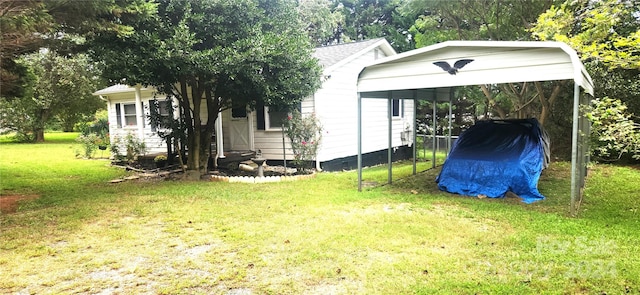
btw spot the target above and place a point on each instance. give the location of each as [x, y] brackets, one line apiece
[412, 75]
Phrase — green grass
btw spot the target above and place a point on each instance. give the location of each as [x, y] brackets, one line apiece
[316, 236]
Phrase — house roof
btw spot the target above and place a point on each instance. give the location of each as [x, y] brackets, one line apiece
[493, 62]
[333, 56]
[118, 88]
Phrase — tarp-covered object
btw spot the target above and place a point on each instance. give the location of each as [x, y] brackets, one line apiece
[494, 157]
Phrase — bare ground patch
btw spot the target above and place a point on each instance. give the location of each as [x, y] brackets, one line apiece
[11, 203]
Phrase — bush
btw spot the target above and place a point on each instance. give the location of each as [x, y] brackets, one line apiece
[90, 142]
[613, 133]
[304, 133]
[133, 148]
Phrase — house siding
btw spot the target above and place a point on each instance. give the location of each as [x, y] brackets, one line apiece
[337, 105]
[153, 142]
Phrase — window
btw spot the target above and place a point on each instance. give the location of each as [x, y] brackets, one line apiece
[161, 113]
[239, 112]
[271, 117]
[397, 108]
[275, 117]
[126, 114]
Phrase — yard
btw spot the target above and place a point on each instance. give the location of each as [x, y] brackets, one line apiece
[77, 233]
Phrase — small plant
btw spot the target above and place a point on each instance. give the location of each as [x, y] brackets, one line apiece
[133, 146]
[304, 133]
[90, 142]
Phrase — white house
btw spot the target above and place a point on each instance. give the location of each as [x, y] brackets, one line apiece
[335, 104]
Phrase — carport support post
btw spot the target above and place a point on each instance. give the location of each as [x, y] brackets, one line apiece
[433, 141]
[451, 92]
[359, 142]
[390, 137]
[574, 148]
[415, 129]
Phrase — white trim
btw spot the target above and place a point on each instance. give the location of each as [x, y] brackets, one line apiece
[267, 121]
[139, 113]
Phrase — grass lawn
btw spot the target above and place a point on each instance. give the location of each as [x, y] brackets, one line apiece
[77, 233]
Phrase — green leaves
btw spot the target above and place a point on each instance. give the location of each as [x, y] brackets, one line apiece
[304, 133]
[607, 31]
[58, 87]
[613, 133]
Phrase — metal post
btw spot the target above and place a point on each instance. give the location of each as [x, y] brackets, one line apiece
[433, 123]
[575, 190]
[451, 92]
[389, 135]
[414, 131]
[359, 142]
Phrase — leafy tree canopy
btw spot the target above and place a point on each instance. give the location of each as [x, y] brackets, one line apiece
[60, 25]
[606, 31]
[58, 87]
[474, 19]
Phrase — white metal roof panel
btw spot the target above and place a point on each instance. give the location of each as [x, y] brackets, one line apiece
[493, 62]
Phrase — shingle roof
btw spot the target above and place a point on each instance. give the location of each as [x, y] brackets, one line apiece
[332, 54]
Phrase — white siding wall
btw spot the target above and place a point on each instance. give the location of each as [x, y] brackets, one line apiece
[154, 143]
[270, 142]
[337, 107]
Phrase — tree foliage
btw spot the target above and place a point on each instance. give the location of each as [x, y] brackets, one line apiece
[57, 87]
[613, 133]
[320, 21]
[59, 25]
[606, 34]
[474, 19]
[212, 55]
[607, 31]
[369, 19]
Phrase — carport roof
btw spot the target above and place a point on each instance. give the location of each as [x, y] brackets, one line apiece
[494, 62]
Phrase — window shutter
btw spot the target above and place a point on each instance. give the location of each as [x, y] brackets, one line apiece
[260, 115]
[118, 116]
[154, 113]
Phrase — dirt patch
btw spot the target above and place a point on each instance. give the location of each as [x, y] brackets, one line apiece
[10, 203]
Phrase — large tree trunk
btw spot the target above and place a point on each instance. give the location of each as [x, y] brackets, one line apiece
[194, 139]
[38, 134]
[38, 130]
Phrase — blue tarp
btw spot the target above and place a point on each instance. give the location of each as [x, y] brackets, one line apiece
[494, 157]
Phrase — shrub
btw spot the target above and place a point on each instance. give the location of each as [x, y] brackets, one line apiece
[132, 145]
[304, 133]
[613, 133]
[89, 143]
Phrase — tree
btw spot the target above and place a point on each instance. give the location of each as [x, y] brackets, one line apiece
[474, 19]
[606, 34]
[211, 55]
[369, 19]
[319, 21]
[613, 133]
[57, 86]
[20, 21]
[605, 31]
[59, 25]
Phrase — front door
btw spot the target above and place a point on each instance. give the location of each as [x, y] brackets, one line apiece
[239, 128]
